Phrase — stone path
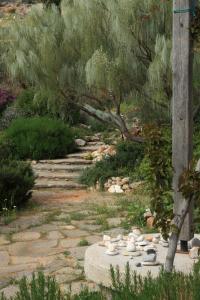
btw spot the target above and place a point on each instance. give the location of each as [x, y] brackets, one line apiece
[53, 237]
[63, 173]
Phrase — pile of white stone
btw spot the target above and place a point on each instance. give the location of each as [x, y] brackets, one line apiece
[103, 152]
[120, 185]
[134, 244]
[137, 244]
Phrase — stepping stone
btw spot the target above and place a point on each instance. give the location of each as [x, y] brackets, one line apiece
[75, 233]
[3, 240]
[4, 258]
[68, 227]
[54, 235]
[25, 236]
[34, 248]
[69, 243]
[13, 269]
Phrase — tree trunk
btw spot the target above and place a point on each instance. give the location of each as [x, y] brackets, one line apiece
[181, 121]
[173, 240]
[112, 119]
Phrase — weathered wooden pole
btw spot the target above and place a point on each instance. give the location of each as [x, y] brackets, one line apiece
[182, 107]
[182, 120]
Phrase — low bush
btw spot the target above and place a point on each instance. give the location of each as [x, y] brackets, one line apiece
[16, 182]
[128, 157]
[128, 286]
[39, 138]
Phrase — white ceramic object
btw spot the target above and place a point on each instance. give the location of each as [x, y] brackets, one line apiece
[155, 240]
[111, 253]
[140, 238]
[112, 247]
[132, 239]
[131, 247]
[139, 248]
[143, 243]
[122, 244]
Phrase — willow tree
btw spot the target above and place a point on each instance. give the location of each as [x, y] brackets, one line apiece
[95, 54]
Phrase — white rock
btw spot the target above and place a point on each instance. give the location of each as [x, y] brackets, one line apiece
[155, 240]
[80, 142]
[195, 242]
[136, 231]
[125, 180]
[115, 189]
[194, 252]
[106, 238]
[125, 187]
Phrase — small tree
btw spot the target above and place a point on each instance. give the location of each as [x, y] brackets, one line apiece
[95, 54]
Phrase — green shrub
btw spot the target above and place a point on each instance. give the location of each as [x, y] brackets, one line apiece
[40, 288]
[6, 147]
[16, 182]
[39, 138]
[135, 213]
[128, 286]
[10, 114]
[40, 104]
[128, 157]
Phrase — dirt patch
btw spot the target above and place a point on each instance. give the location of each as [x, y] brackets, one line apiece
[59, 197]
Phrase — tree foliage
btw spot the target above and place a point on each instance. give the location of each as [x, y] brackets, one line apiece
[96, 54]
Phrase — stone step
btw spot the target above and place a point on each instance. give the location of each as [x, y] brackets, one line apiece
[48, 184]
[57, 175]
[66, 161]
[94, 143]
[78, 155]
[59, 167]
[89, 148]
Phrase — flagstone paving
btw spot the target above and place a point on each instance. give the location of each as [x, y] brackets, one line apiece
[48, 238]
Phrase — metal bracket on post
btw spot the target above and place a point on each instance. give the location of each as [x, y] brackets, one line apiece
[186, 10]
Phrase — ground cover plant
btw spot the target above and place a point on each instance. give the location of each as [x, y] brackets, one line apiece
[128, 157]
[38, 138]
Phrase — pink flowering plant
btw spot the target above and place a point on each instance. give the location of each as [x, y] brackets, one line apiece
[6, 98]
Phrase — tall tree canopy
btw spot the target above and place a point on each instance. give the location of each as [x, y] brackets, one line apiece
[97, 54]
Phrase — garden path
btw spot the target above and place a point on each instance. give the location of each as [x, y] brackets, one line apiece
[53, 234]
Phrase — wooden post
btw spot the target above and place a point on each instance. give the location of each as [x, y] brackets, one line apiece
[182, 107]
